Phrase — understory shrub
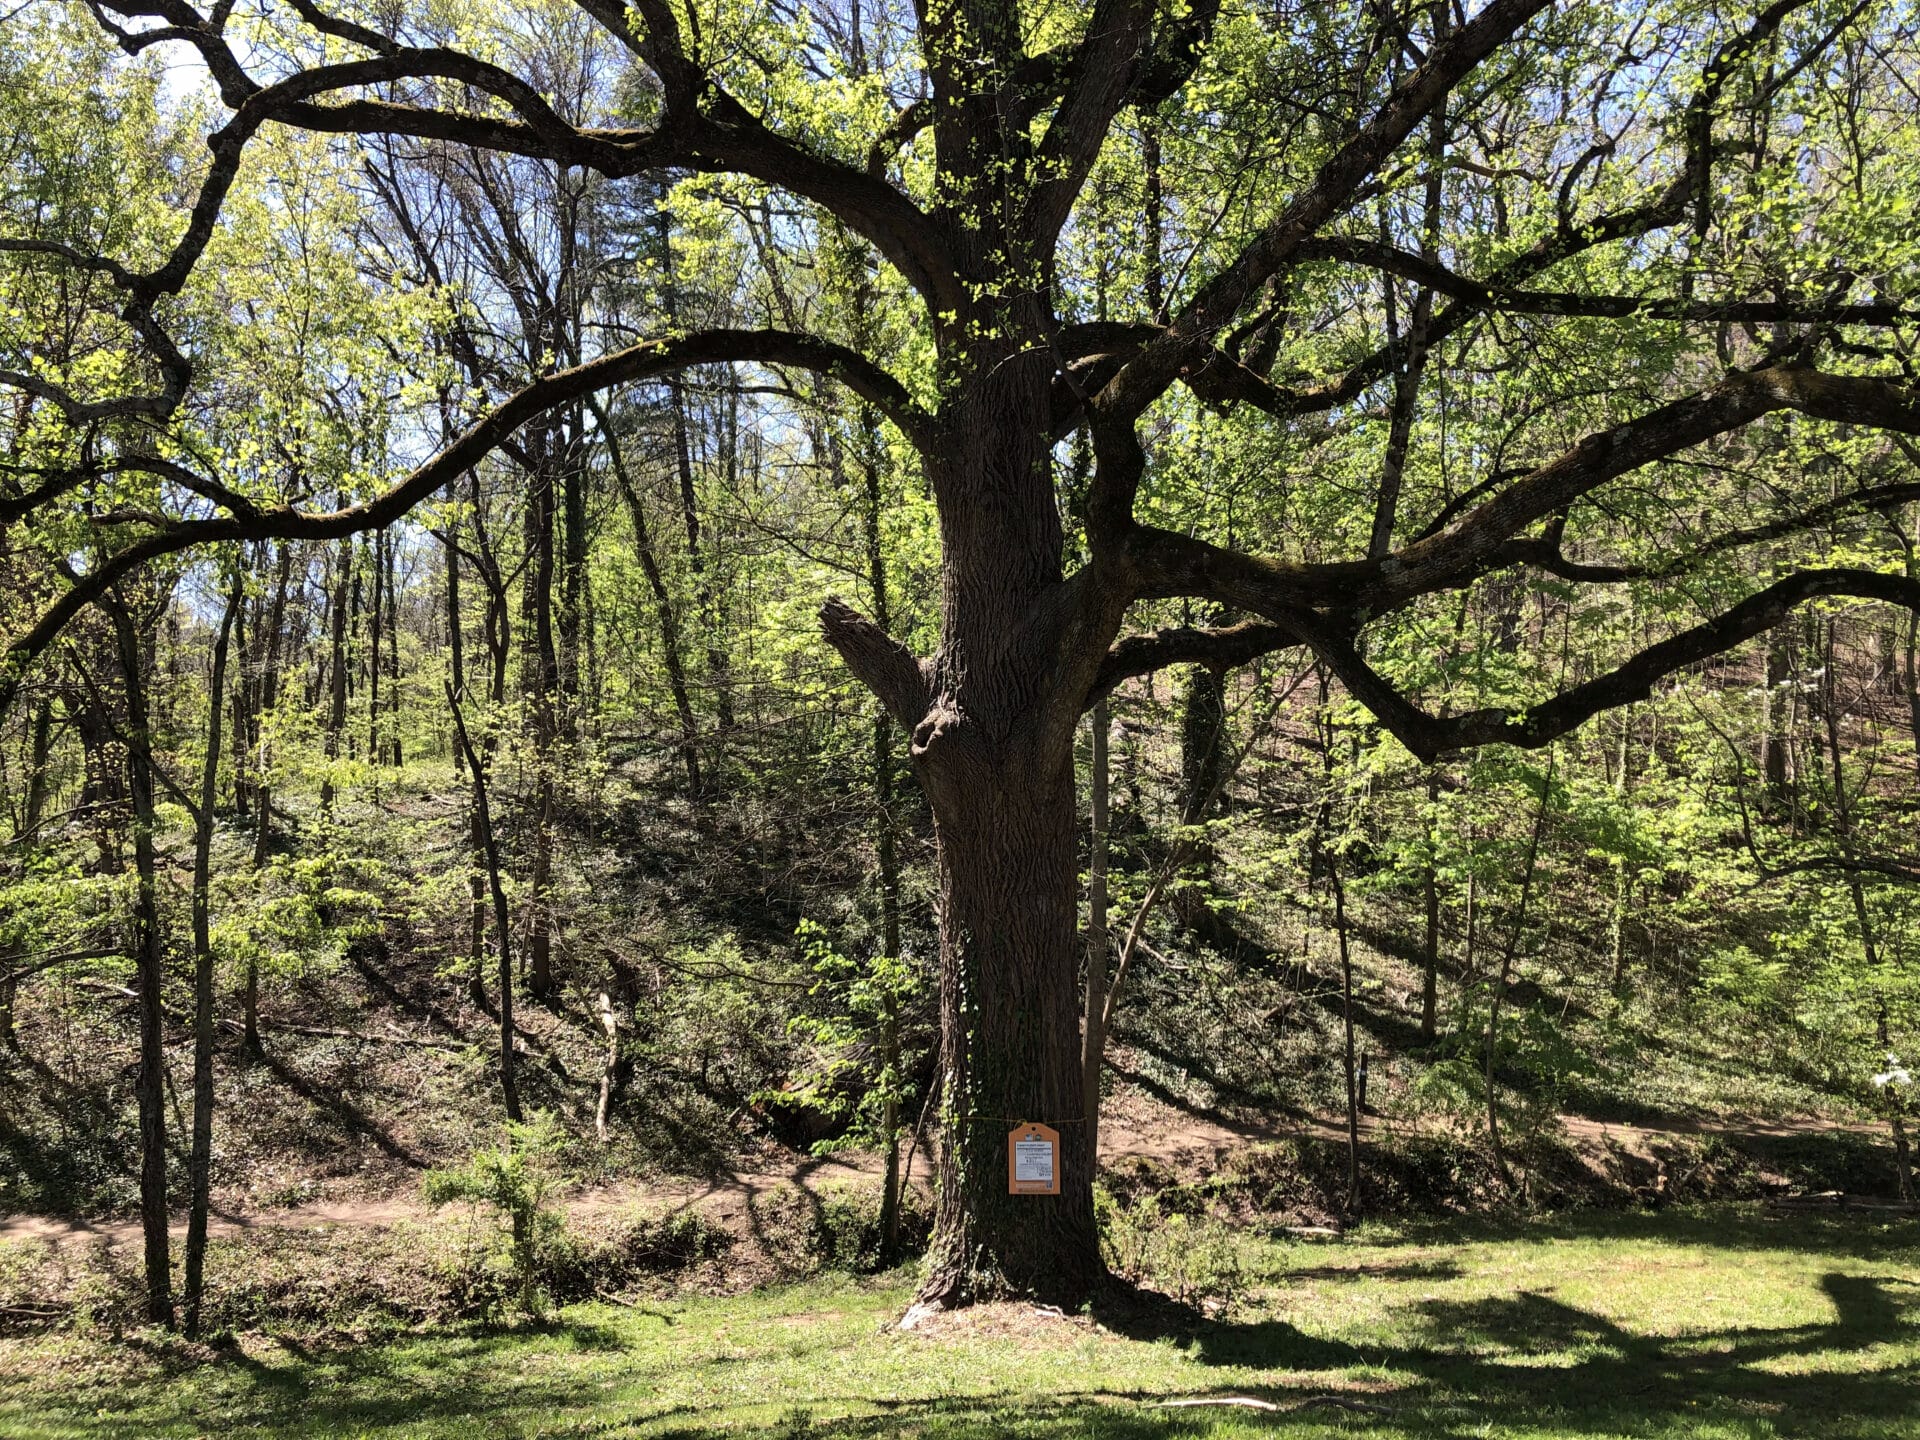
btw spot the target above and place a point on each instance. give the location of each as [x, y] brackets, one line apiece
[1195, 1258]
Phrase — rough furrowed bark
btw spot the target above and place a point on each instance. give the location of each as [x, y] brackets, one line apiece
[993, 748]
[1010, 1036]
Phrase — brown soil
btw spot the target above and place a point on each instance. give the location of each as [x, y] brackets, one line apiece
[1188, 1146]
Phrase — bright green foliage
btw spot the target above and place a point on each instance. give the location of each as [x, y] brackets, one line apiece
[516, 1180]
[851, 1079]
[1722, 1324]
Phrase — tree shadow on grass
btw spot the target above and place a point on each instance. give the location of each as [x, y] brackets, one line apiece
[1532, 1361]
[1089, 1417]
[1860, 1236]
[371, 1388]
[1527, 1362]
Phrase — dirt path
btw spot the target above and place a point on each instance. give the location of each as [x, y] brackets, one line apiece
[1186, 1143]
[725, 1196]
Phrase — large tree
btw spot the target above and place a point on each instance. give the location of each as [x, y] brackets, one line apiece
[1116, 219]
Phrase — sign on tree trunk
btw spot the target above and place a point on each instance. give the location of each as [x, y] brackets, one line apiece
[1033, 1161]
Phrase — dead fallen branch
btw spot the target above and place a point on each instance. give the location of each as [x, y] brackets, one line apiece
[372, 1037]
[1271, 1407]
[1835, 1200]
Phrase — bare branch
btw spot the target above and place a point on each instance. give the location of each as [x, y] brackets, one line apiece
[880, 662]
[1216, 303]
[1135, 655]
[638, 362]
[1429, 736]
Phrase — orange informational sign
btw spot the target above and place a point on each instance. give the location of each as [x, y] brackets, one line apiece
[1033, 1161]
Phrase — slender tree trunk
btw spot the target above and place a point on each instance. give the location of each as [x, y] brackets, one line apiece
[392, 589]
[1203, 730]
[477, 910]
[540, 886]
[266, 690]
[1093, 1024]
[1863, 915]
[483, 825]
[456, 628]
[1911, 665]
[337, 663]
[1896, 1109]
[573, 566]
[150, 975]
[719, 668]
[1622, 880]
[250, 1041]
[1412, 361]
[1776, 737]
[1323, 852]
[356, 586]
[376, 624]
[1842, 806]
[612, 1070]
[200, 1153]
[243, 736]
[1154, 217]
[269, 700]
[1502, 980]
[41, 750]
[540, 679]
[664, 609]
[1910, 649]
[1430, 896]
[497, 624]
[1346, 1028]
[885, 841]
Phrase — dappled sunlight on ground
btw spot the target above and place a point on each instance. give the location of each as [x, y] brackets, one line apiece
[1723, 1324]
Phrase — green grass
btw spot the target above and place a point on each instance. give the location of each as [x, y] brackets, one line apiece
[1713, 1323]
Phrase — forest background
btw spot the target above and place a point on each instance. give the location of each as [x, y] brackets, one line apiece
[538, 793]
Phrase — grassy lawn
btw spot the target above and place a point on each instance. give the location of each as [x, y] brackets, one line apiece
[1712, 1323]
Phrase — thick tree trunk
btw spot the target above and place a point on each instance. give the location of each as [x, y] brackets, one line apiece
[994, 752]
[1010, 1041]
[993, 716]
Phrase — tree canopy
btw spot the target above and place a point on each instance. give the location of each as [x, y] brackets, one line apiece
[1126, 335]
